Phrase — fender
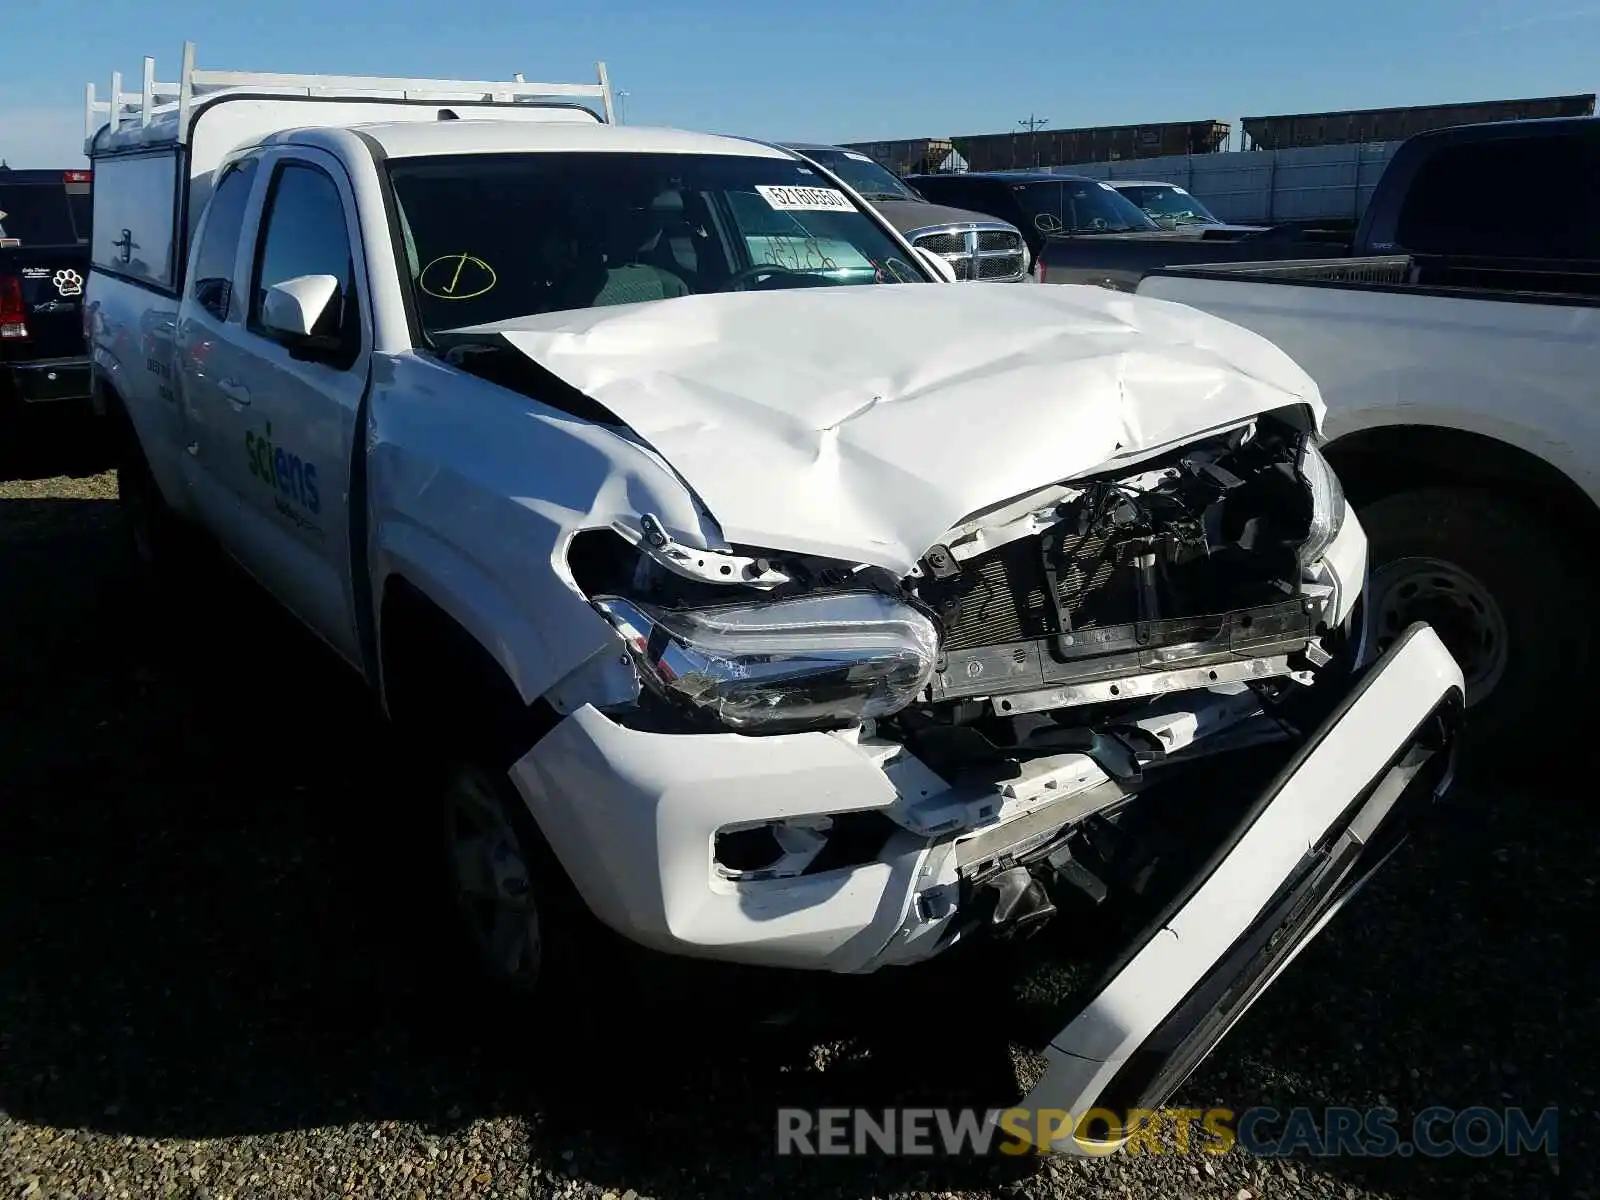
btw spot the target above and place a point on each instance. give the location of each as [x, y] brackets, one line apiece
[480, 605]
[478, 516]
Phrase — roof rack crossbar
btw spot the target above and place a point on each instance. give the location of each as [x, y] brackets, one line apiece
[120, 109]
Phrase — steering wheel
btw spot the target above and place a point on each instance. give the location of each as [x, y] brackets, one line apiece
[754, 272]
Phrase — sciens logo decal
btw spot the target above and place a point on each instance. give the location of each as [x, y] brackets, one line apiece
[67, 283]
[291, 477]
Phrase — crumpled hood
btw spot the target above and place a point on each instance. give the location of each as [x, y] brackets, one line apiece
[865, 422]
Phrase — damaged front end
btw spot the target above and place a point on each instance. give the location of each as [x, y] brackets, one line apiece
[1202, 568]
[1132, 700]
[1021, 682]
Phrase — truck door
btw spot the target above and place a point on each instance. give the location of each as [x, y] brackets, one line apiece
[275, 424]
[203, 349]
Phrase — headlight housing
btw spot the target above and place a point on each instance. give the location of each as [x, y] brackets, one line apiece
[814, 662]
[1327, 503]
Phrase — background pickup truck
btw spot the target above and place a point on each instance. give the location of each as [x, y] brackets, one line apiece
[1459, 361]
[1044, 207]
[1505, 220]
[44, 261]
[1173, 207]
[1076, 225]
[977, 246]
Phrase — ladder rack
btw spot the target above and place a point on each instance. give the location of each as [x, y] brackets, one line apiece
[124, 110]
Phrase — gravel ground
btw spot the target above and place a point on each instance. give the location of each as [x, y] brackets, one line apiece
[211, 984]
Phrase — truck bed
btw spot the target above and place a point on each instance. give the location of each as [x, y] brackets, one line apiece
[1483, 278]
[1120, 260]
[1397, 340]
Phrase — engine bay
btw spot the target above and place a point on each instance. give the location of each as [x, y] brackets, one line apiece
[1181, 572]
[1194, 562]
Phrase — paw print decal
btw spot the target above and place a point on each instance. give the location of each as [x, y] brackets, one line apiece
[68, 283]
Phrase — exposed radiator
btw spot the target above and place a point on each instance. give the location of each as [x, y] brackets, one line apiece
[1002, 594]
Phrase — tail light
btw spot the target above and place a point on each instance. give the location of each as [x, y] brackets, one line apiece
[13, 315]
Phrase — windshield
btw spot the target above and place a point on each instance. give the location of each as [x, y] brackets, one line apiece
[44, 214]
[489, 238]
[873, 180]
[1166, 201]
[1079, 206]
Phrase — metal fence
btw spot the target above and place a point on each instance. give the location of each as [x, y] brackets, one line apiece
[1264, 186]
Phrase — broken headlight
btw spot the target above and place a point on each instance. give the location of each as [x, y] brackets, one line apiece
[810, 663]
[1327, 503]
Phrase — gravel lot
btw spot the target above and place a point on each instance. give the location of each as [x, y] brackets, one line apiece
[211, 984]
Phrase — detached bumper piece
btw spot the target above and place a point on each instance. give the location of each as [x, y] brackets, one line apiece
[49, 380]
[1302, 849]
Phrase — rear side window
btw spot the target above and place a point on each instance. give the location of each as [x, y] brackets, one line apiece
[38, 214]
[214, 259]
[1506, 197]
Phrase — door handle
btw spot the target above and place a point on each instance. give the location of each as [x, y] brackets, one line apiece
[234, 391]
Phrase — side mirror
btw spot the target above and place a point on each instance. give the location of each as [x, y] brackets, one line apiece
[293, 310]
[938, 265]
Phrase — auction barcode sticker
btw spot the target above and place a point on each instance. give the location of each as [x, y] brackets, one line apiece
[805, 199]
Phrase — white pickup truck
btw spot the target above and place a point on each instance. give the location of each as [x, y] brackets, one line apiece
[1458, 351]
[780, 603]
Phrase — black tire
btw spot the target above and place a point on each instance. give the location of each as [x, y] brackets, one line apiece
[1502, 591]
[567, 935]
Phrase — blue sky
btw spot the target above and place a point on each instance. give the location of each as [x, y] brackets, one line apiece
[834, 70]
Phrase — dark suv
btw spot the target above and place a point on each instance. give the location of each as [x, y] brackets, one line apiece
[1040, 204]
[979, 247]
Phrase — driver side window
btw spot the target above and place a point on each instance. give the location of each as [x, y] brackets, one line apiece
[304, 233]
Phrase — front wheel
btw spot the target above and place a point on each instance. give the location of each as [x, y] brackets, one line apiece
[1493, 580]
[511, 903]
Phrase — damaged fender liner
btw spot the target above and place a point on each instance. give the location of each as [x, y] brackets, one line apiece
[1357, 843]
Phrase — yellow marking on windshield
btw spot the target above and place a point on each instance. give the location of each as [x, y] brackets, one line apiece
[480, 277]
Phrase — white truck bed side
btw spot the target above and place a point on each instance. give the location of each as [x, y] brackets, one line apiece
[1519, 370]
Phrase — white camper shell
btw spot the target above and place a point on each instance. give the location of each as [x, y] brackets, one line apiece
[157, 148]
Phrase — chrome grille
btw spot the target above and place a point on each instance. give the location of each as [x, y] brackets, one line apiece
[977, 253]
[943, 243]
[1006, 267]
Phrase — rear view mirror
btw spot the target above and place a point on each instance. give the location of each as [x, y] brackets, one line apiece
[294, 309]
[938, 265]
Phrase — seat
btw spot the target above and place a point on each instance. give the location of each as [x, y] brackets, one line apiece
[632, 235]
[676, 246]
